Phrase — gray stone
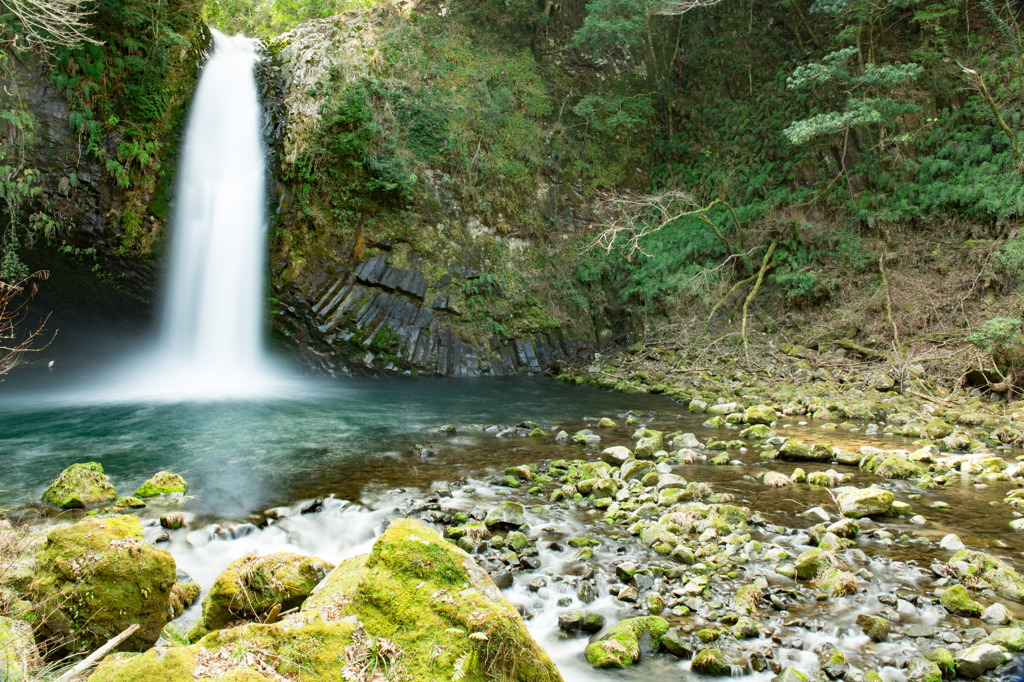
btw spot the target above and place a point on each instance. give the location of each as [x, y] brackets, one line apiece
[976, 660]
[616, 456]
[952, 543]
[816, 515]
[997, 614]
[507, 514]
[920, 669]
[676, 645]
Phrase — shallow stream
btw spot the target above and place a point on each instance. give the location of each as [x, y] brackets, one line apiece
[372, 451]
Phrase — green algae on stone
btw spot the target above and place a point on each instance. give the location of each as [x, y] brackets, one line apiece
[129, 503]
[78, 486]
[892, 465]
[162, 483]
[506, 515]
[837, 583]
[251, 586]
[97, 577]
[858, 503]
[1011, 639]
[809, 563]
[621, 647]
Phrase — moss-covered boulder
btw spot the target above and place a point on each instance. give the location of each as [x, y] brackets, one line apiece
[18, 652]
[809, 563]
[958, 601]
[622, 645]
[129, 503]
[78, 486]
[796, 451]
[414, 585]
[251, 586]
[710, 662]
[760, 414]
[1003, 579]
[95, 578]
[162, 483]
[944, 659]
[506, 515]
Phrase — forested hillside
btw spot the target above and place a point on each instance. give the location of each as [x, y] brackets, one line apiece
[828, 170]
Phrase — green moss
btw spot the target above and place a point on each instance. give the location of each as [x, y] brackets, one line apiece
[98, 576]
[78, 486]
[414, 585]
[162, 483]
[622, 645]
[183, 595]
[251, 586]
[1004, 580]
[710, 662]
[958, 601]
[18, 652]
[945, 660]
[129, 503]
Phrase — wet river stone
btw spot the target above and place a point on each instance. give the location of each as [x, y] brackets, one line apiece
[506, 515]
[622, 645]
[858, 503]
[977, 660]
[162, 483]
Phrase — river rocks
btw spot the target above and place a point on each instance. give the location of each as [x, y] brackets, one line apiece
[97, 577]
[837, 583]
[606, 423]
[760, 414]
[952, 543]
[648, 445]
[723, 409]
[797, 451]
[809, 563]
[506, 515]
[875, 627]
[920, 669]
[858, 503]
[997, 614]
[833, 662]
[958, 601]
[616, 456]
[622, 645]
[790, 674]
[892, 465]
[162, 483]
[686, 440]
[710, 662]
[635, 469]
[1003, 579]
[676, 645]
[944, 659]
[250, 587]
[78, 486]
[976, 660]
[1009, 639]
[18, 652]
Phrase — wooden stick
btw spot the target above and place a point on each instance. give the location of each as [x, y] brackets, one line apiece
[860, 349]
[95, 656]
[937, 401]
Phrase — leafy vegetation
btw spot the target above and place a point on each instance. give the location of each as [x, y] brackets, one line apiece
[266, 18]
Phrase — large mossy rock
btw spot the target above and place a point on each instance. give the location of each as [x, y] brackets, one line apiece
[251, 586]
[95, 578]
[18, 652]
[162, 483]
[410, 591]
[622, 645]
[79, 486]
[414, 585]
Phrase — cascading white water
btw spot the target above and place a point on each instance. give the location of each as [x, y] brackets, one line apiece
[213, 319]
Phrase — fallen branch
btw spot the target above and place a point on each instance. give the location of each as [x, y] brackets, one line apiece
[867, 352]
[938, 401]
[765, 264]
[95, 656]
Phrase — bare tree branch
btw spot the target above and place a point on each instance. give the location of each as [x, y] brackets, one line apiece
[13, 342]
[671, 8]
[50, 23]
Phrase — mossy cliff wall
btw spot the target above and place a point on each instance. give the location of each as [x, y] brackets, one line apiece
[429, 188]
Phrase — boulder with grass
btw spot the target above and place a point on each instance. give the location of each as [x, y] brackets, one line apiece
[79, 486]
[251, 587]
[1003, 579]
[18, 652]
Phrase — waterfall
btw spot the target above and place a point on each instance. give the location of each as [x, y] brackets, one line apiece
[211, 334]
[213, 319]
